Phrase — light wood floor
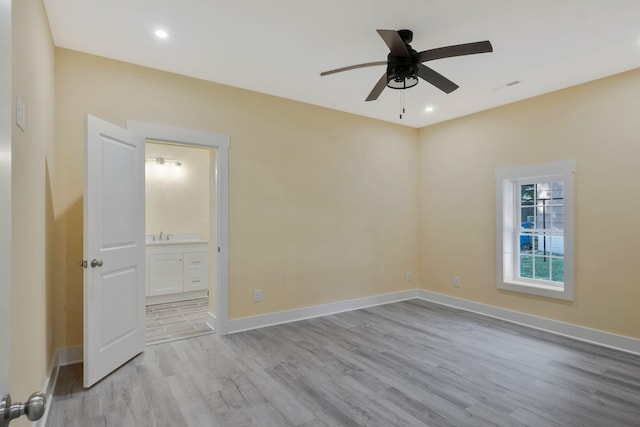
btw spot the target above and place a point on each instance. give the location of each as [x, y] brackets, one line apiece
[404, 364]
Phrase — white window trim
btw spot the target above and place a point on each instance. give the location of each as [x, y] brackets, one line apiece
[506, 245]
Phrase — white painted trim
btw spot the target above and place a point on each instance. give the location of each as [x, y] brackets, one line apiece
[581, 333]
[62, 357]
[6, 106]
[211, 320]
[261, 321]
[48, 388]
[182, 296]
[507, 236]
[69, 355]
[221, 142]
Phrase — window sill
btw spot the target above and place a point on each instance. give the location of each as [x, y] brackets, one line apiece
[551, 291]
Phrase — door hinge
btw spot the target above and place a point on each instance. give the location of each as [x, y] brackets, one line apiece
[84, 264]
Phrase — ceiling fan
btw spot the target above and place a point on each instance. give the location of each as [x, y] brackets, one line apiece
[405, 65]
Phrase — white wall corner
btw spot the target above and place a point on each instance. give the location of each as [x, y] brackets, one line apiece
[581, 333]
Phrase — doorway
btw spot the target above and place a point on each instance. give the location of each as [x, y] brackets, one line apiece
[180, 193]
[114, 239]
[217, 144]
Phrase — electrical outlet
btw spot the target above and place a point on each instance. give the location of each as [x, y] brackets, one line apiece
[257, 295]
[409, 276]
[456, 282]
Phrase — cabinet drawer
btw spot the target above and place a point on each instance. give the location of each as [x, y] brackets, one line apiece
[196, 283]
[196, 271]
[195, 261]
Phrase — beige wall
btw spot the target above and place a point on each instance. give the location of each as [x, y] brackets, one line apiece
[32, 209]
[177, 197]
[322, 204]
[597, 125]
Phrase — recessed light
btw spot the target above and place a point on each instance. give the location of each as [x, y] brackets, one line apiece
[429, 109]
[161, 34]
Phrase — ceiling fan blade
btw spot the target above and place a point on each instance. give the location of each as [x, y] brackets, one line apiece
[353, 67]
[455, 50]
[378, 88]
[436, 79]
[394, 41]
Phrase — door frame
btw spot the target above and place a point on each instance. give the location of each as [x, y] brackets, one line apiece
[220, 142]
[6, 107]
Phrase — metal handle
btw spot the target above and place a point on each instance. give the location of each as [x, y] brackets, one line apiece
[33, 409]
[96, 263]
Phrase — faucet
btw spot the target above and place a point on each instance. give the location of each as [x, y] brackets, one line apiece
[160, 236]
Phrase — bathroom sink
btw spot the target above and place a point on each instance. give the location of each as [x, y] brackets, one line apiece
[173, 239]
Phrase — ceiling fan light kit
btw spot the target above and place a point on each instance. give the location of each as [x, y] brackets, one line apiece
[405, 65]
[402, 70]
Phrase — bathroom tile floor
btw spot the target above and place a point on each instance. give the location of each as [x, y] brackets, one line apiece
[176, 320]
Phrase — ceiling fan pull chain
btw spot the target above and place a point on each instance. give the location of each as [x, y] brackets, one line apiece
[401, 104]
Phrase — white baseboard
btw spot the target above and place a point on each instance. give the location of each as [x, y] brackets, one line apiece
[182, 296]
[62, 357]
[48, 388]
[261, 321]
[211, 320]
[69, 355]
[581, 333]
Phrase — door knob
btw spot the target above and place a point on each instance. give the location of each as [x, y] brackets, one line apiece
[96, 263]
[33, 409]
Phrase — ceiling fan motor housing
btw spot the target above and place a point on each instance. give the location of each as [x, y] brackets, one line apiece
[406, 36]
[402, 70]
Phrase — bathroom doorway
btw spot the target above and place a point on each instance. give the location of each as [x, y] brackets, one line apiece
[218, 244]
[180, 200]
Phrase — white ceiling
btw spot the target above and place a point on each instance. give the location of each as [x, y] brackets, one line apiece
[279, 47]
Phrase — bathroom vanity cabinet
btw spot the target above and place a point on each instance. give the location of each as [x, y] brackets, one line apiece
[177, 271]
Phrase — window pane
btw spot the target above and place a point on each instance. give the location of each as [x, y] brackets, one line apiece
[556, 217]
[542, 268]
[557, 270]
[526, 216]
[543, 245]
[526, 266]
[526, 244]
[527, 193]
[543, 219]
[543, 191]
[557, 245]
[534, 242]
[557, 191]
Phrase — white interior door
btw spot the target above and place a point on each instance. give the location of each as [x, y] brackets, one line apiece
[114, 249]
[5, 195]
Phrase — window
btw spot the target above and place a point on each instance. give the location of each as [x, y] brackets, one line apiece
[534, 240]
